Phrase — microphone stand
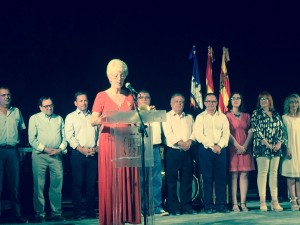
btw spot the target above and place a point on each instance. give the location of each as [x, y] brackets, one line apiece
[143, 132]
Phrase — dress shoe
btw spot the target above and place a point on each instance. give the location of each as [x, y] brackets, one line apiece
[58, 218]
[175, 213]
[222, 210]
[160, 212]
[91, 216]
[209, 211]
[39, 219]
[189, 212]
[20, 219]
[78, 217]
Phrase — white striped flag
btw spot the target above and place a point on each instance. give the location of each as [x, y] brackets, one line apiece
[196, 101]
[224, 83]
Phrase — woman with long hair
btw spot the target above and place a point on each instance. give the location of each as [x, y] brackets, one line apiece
[240, 153]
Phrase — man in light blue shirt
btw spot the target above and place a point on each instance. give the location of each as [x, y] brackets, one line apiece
[82, 138]
[11, 123]
[47, 137]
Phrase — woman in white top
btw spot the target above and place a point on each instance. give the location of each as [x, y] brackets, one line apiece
[291, 163]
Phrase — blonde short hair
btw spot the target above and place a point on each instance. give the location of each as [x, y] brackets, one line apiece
[116, 65]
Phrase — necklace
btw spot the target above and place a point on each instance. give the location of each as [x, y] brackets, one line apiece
[237, 114]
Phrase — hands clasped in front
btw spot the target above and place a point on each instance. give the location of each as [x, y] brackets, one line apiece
[275, 148]
[52, 151]
[184, 145]
[89, 152]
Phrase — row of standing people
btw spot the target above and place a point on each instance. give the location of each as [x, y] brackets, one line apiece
[264, 136]
[48, 134]
[211, 129]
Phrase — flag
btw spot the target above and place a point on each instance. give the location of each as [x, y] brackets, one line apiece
[224, 83]
[196, 101]
[209, 79]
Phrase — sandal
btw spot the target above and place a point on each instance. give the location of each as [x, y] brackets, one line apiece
[294, 204]
[244, 207]
[235, 208]
[275, 206]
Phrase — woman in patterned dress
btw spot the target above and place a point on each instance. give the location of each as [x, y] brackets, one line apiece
[268, 134]
[240, 152]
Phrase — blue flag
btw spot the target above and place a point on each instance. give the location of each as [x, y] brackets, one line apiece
[196, 101]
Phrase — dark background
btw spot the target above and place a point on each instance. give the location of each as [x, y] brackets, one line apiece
[58, 48]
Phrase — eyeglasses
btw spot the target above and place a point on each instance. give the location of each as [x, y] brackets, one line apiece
[235, 98]
[115, 76]
[263, 99]
[47, 106]
[144, 97]
[3, 95]
[211, 102]
[294, 102]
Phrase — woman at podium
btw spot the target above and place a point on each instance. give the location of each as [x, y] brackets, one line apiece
[119, 194]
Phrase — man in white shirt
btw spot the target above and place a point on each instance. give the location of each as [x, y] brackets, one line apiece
[82, 138]
[178, 138]
[11, 125]
[46, 135]
[144, 99]
[211, 130]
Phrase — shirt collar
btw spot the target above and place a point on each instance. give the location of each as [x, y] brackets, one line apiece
[173, 113]
[217, 113]
[80, 112]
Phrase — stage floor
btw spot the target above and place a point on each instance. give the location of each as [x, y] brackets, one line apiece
[254, 216]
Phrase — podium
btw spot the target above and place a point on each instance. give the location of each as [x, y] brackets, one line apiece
[131, 151]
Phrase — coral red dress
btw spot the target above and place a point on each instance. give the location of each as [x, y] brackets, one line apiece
[128, 209]
[239, 129]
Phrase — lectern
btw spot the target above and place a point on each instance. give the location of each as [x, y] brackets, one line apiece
[130, 149]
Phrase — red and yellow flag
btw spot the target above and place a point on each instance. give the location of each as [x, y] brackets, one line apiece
[224, 83]
[209, 78]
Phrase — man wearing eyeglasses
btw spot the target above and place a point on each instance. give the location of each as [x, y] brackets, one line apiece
[211, 130]
[47, 137]
[144, 99]
[11, 123]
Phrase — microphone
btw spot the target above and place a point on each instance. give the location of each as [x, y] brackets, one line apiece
[131, 89]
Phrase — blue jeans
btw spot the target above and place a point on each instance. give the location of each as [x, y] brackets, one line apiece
[156, 179]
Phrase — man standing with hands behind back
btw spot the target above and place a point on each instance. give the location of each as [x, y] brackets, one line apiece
[178, 138]
[211, 130]
[11, 123]
[82, 138]
[46, 135]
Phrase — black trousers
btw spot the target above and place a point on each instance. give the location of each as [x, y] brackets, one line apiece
[178, 166]
[213, 169]
[84, 172]
[9, 164]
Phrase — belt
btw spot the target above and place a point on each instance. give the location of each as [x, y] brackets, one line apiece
[7, 146]
[156, 145]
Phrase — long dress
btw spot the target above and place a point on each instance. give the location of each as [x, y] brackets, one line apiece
[239, 129]
[127, 193]
[291, 167]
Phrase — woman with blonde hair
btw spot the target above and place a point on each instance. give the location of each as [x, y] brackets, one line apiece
[268, 136]
[119, 193]
[291, 163]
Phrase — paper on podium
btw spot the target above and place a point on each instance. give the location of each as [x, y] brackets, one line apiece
[132, 116]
